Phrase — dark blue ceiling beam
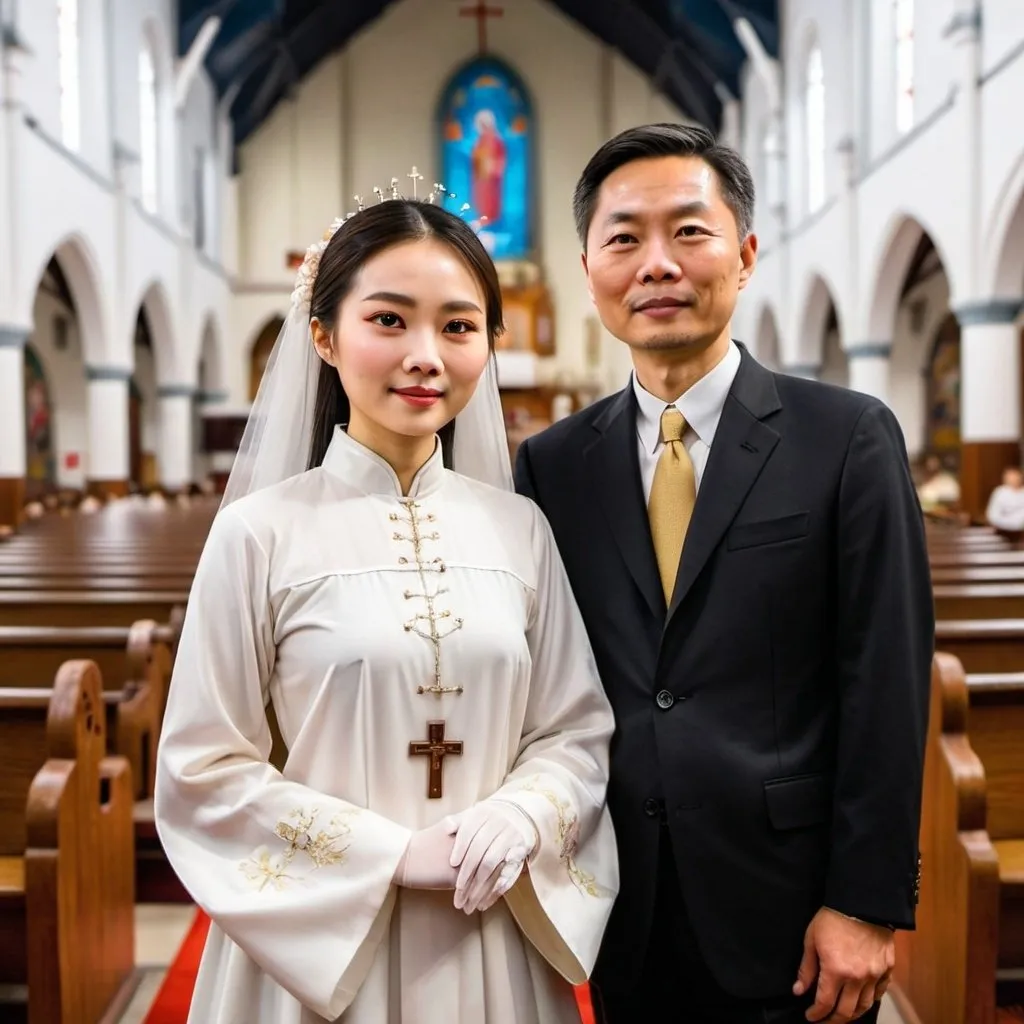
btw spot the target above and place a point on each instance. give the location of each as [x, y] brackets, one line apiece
[688, 47]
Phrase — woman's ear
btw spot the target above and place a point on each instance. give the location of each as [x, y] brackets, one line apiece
[322, 341]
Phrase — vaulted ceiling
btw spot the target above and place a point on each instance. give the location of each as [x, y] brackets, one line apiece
[688, 47]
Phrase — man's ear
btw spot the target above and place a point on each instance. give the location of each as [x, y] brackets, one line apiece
[748, 259]
[322, 341]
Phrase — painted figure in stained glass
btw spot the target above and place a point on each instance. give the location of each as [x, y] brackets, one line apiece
[486, 143]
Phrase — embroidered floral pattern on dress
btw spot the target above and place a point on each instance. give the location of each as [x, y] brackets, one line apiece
[569, 841]
[322, 848]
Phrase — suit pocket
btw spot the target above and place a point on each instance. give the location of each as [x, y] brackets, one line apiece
[768, 531]
[799, 800]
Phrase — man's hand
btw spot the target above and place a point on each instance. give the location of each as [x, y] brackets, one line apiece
[852, 961]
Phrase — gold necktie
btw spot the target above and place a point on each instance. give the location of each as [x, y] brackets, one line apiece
[673, 494]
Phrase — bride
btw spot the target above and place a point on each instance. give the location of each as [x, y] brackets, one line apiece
[434, 847]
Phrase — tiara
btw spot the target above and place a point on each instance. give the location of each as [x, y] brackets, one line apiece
[302, 294]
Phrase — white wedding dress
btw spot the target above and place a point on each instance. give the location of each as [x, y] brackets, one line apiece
[337, 599]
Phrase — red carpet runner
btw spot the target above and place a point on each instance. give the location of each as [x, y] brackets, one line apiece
[172, 1001]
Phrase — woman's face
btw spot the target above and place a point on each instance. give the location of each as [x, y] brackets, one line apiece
[410, 341]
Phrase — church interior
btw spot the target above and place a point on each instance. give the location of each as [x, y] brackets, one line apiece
[163, 168]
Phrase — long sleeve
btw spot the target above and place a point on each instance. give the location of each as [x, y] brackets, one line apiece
[885, 638]
[559, 778]
[300, 880]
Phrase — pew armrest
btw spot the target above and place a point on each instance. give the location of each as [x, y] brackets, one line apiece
[946, 968]
[135, 736]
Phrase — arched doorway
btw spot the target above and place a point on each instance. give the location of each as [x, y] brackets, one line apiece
[261, 350]
[820, 334]
[143, 410]
[942, 390]
[55, 385]
[40, 459]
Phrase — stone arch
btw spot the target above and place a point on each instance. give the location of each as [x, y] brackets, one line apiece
[259, 353]
[901, 243]
[818, 309]
[211, 372]
[157, 308]
[820, 334]
[79, 266]
[1003, 270]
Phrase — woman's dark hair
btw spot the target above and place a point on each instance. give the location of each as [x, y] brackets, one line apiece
[359, 239]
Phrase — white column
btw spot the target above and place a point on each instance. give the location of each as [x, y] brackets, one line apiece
[108, 460]
[12, 402]
[868, 367]
[990, 384]
[175, 445]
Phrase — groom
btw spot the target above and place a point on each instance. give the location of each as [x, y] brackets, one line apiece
[748, 554]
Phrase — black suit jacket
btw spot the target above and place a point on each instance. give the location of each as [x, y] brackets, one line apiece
[775, 714]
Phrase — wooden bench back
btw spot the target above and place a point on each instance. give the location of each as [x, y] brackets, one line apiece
[70, 728]
[983, 645]
[66, 810]
[85, 608]
[979, 600]
[995, 729]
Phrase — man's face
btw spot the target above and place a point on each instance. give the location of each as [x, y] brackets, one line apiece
[664, 260]
[1014, 478]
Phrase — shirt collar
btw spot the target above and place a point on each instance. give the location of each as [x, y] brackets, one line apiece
[701, 405]
[366, 471]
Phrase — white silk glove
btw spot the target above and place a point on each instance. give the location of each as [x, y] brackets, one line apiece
[493, 842]
[426, 863]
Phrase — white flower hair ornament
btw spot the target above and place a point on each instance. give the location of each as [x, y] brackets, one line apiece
[302, 293]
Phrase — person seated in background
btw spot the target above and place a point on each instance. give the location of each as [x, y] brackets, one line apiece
[1006, 505]
[939, 489]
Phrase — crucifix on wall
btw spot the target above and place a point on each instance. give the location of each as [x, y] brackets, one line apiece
[481, 12]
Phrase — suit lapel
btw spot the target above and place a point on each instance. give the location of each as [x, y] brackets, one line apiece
[613, 467]
[742, 446]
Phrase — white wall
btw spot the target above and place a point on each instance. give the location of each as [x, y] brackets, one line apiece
[83, 205]
[58, 195]
[355, 123]
[958, 173]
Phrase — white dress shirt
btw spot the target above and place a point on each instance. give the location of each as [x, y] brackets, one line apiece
[701, 407]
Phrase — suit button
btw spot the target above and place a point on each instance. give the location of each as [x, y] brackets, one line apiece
[652, 807]
[665, 700]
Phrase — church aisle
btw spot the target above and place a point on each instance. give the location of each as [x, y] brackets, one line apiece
[160, 929]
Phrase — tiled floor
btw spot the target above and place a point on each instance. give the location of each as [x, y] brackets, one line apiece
[161, 928]
[159, 931]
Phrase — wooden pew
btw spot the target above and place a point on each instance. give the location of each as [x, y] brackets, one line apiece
[970, 573]
[970, 921]
[983, 645]
[84, 607]
[944, 559]
[131, 728]
[126, 656]
[979, 600]
[66, 927]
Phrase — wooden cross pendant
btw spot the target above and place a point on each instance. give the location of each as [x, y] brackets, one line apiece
[438, 748]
